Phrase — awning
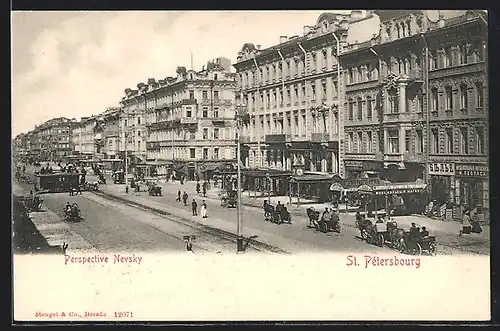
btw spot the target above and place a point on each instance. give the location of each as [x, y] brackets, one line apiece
[336, 187]
[112, 160]
[399, 188]
[365, 189]
[265, 172]
[159, 162]
[313, 178]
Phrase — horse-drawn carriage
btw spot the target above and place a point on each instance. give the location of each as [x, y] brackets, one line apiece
[388, 233]
[327, 223]
[72, 213]
[91, 186]
[228, 199]
[58, 182]
[153, 189]
[277, 215]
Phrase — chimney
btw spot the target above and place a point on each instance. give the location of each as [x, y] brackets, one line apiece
[283, 39]
[258, 46]
[307, 29]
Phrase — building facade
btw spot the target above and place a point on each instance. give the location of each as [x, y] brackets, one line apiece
[52, 139]
[292, 95]
[190, 121]
[415, 103]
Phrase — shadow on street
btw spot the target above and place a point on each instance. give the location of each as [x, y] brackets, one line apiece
[27, 239]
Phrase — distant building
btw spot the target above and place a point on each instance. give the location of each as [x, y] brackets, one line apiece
[190, 120]
[225, 63]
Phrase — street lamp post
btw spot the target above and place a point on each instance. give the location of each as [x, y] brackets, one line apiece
[241, 119]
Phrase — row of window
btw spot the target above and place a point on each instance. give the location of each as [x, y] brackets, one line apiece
[452, 99]
[293, 67]
[207, 153]
[207, 133]
[294, 94]
[454, 141]
[454, 56]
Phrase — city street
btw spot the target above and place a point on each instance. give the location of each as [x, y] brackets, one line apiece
[111, 225]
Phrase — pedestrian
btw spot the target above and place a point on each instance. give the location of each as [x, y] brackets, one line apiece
[198, 187]
[185, 198]
[194, 206]
[204, 209]
[205, 189]
[178, 196]
[466, 226]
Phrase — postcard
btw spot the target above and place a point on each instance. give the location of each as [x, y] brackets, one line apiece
[250, 166]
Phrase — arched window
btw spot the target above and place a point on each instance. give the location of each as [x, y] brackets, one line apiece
[360, 108]
[350, 112]
[463, 96]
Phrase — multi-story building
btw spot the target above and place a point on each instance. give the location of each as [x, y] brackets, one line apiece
[292, 96]
[52, 139]
[190, 120]
[415, 102]
[110, 133]
[20, 146]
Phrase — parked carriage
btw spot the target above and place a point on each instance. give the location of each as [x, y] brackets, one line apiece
[228, 199]
[153, 189]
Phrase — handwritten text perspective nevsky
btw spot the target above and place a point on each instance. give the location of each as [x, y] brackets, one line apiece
[102, 259]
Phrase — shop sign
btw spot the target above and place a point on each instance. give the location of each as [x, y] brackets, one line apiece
[353, 164]
[472, 170]
[442, 169]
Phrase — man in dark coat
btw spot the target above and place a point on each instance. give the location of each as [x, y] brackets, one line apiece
[185, 198]
[194, 207]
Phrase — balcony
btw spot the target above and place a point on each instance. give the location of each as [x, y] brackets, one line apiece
[416, 76]
[414, 157]
[320, 137]
[275, 138]
[189, 120]
[459, 70]
[393, 157]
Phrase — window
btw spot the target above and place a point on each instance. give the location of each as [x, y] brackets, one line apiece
[407, 141]
[191, 95]
[449, 98]
[216, 112]
[216, 133]
[313, 61]
[434, 99]
[448, 56]
[138, 120]
[350, 77]
[464, 143]
[463, 96]
[323, 92]
[216, 153]
[296, 93]
[350, 142]
[205, 133]
[288, 96]
[360, 109]
[360, 142]
[205, 112]
[463, 54]
[432, 60]
[350, 110]
[313, 92]
[369, 107]
[138, 133]
[479, 95]
[393, 140]
[393, 103]
[216, 95]
[449, 140]
[216, 77]
[188, 112]
[369, 142]
[434, 141]
[420, 141]
[324, 59]
[192, 153]
[204, 95]
[480, 140]
[478, 52]
[205, 153]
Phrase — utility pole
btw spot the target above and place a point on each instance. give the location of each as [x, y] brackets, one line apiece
[241, 119]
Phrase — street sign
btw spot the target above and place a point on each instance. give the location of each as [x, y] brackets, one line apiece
[441, 169]
[472, 170]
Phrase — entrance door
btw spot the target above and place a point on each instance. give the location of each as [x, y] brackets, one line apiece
[440, 189]
[471, 193]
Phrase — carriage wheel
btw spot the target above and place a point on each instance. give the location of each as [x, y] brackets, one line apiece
[323, 227]
[418, 249]
[364, 235]
[433, 249]
[402, 247]
[381, 240]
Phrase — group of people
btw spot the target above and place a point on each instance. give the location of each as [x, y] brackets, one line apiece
[205, 187]
[194, 205]
[280, 210]
[329, 220]
[470, 223]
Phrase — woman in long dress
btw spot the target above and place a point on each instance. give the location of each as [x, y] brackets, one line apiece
[203, 209]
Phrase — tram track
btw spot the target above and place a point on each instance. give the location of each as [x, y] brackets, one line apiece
[203, 229]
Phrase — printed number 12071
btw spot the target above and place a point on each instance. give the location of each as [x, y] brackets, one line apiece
[126, 314]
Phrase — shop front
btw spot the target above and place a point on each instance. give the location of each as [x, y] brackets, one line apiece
[357, 168]
[442, 182]
[472, 185]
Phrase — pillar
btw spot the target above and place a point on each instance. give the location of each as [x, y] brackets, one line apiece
[335, 165]
[323, 164]
[401, 140]
[402, 97]
[386, 141]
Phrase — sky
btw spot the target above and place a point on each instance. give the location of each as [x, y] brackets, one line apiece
[74, 64]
